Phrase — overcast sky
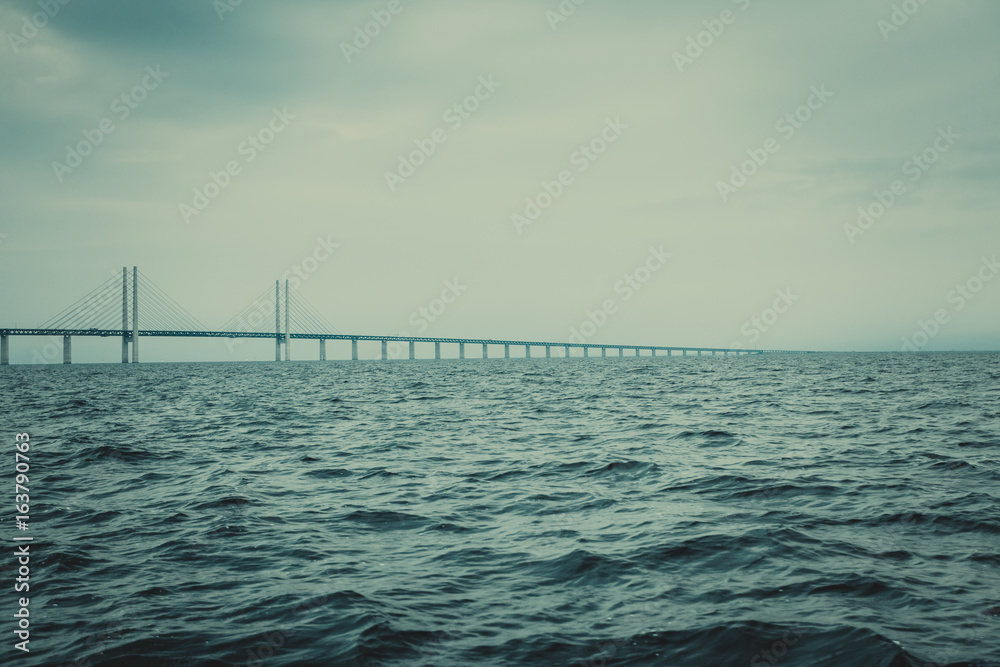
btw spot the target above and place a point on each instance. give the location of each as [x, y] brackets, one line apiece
[668, 98]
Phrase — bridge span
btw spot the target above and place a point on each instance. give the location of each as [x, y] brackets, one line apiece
[90, 317]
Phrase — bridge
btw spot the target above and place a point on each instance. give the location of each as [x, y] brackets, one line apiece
[97, 314]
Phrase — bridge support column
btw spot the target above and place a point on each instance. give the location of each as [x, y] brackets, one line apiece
[68, 350]
[506, 351]
[653, 351]
[621, 352]
[124, 315]
[288, 331]
[437, 350]
[461, 350]
[4, 350]
[486, 351]
[354, 349]
[385, 350]
[548, 351]
[566, 354]
[277, 322]
[586, 351]
[135, 315]
[527, 352]
[322, 349]
[604, 351]
[413, 350]
[637, 352]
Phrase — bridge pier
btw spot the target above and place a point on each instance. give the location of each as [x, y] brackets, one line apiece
[277, 321]
[437, 350]
[461, 350]
[68, 350]
[288, 331]
[385, 350]
[135, 315]
[4, 350]
[548, 351]
[527, 352]
[124, 315]
[621, 352]
[604, 352]
[567, 352]
[506, 351]
[354, 349]
[586, 351]
[486, 351]
[322, 349]
[413, 350]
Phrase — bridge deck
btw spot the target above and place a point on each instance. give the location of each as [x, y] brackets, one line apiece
[362, 337]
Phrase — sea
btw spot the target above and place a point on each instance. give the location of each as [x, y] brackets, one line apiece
[821, 510]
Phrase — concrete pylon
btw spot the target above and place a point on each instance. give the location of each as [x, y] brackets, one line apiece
[527, 352]
[4, 350]
[506, 351]
[437, 350]
[486, 351]
[385, 350]
[354, 349]
[461, 350]
[67, 350]
[413, 350]
[277, 321]
[135, 314]
[566, 353]
[288, 330]
[124, 314]
[322, 349]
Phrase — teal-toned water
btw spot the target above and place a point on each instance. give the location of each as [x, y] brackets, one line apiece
[806, 510]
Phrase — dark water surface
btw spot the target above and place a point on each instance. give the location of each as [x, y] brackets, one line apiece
[808, 510]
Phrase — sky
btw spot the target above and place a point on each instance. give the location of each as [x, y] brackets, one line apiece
[733, 173]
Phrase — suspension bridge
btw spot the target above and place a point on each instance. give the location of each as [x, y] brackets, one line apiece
[147, 311]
